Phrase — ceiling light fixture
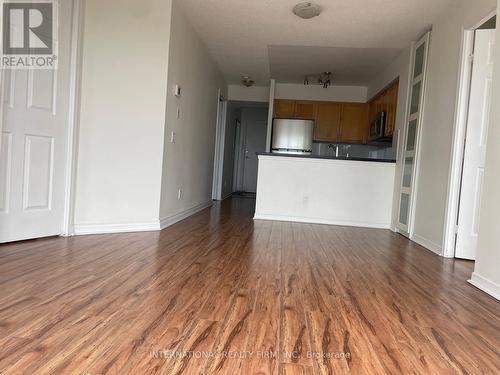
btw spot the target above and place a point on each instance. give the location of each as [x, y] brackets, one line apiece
[324, 79]
[307, 10]
[247, 81]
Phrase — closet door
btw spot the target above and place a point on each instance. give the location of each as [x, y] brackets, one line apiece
[412, 134]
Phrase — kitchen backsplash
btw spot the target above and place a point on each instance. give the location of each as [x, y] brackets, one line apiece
[354, 150]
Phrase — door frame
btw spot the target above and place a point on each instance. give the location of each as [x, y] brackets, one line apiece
[220, 136]
[76, 49]
[459, 138]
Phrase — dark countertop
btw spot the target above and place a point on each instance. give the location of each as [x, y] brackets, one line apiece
[327, 157]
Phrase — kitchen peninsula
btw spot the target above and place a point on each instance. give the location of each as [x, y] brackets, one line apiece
[325, 190]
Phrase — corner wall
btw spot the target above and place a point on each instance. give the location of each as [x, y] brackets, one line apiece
[188, 162]
[122, 113]
[439, 116]
[487, 267]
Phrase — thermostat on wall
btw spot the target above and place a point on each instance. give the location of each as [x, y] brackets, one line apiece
[177, 90]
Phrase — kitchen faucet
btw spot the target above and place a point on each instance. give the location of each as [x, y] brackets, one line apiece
[336, 149]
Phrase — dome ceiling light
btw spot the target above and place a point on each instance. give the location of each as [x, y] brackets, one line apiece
[307, 10]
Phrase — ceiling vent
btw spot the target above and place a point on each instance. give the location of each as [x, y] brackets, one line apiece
[307, 10]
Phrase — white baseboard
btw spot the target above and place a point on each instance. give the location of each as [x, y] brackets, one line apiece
[487, 286]
[172, 219]
[309, 220]
[82, 229]
[429, 245]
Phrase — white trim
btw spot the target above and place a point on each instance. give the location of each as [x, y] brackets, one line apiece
[73, 117]
[487, 286]
[429, 245]
[309, 220]
[270, 114]
[220, 136]
[457, 151]
[487, 18]
[172, 219]
[84, 229]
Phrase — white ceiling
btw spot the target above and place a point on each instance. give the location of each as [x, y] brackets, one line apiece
[264, 39]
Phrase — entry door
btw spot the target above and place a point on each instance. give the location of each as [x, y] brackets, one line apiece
[34, 144]
[255, 141]
[412, 134]
[475, 146]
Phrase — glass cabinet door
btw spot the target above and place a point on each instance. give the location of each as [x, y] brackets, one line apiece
[409, 158]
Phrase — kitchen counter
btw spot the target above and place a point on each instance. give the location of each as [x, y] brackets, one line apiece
[325, 190]
[327, 157]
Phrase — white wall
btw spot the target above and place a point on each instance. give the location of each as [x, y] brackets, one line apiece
[188, 163]
[125, 59]
[439, 113]
[356, 94]
[248, 94]
[487, 267]
[398, 68]
[325, 191]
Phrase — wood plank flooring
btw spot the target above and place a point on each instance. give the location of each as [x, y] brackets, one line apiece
[220, 293]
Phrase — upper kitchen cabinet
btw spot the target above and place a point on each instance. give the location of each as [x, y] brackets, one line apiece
[297, 109]
[392, 104]
[305, 110]
[284, 108]
[353, 122]
[327, 126]
[385, 101]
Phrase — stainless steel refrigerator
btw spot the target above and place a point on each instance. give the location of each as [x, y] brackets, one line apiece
[292, 136]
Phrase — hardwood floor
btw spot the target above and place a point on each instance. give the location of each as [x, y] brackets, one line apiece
[220, 293]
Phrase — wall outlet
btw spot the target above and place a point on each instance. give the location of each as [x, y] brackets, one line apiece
[179, 194]
[172, 137]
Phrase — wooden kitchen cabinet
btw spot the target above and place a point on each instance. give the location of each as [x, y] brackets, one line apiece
[333, 122]
[297, 109]
[327, 126]
[392, 101]
[385, 101]
[353, 122]
[305, 110]
[284, 108]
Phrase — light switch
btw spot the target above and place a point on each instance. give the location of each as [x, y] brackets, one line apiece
[177, 90]
[172, 137]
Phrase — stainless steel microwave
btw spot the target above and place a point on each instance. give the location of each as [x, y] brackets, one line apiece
[377, 127]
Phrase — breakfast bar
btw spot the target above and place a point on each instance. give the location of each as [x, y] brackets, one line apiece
[325, 190]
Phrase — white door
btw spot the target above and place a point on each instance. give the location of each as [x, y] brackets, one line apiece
[34, 144]
[412, 134]
[475, 145]
[255, 141]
